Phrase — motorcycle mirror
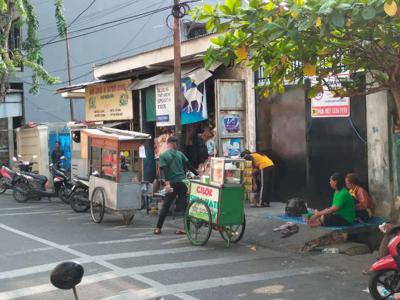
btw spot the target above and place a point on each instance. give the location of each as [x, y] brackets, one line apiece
[67, 275]
[95, 173]
[15, 159]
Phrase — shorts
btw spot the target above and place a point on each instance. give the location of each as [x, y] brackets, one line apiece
[332, 220]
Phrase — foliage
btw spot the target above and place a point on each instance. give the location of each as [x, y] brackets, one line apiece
[21, 13]
[298, 38]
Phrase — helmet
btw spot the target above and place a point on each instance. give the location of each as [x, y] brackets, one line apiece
[295, 207]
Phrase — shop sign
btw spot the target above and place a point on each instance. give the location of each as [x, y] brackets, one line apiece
[194, 106]
[109, 101]
[209, 195]
[325, 105]
[165, 104]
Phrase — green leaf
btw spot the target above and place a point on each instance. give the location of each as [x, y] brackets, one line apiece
[208, 9]
[219, 41]
[225, 10]
[312, 92]
[368, 13]
[338, 20]
[326, 8]
[210, 25]
[3, 5]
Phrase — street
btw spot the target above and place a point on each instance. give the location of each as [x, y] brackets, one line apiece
[129, 262]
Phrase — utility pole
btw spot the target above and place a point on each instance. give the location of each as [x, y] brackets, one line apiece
[177, 72]
[71, 104]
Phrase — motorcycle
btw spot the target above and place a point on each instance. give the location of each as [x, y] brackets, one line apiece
[64, 186]
[31, 185]
[8, 177]
[79, 196]
[384, 282]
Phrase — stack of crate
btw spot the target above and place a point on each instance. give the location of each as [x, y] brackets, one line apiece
[248, 178]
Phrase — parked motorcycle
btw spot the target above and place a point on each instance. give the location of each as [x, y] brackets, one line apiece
[8, 177]
[79, 197]
[31, 185]
[384, 282]
[62, 187]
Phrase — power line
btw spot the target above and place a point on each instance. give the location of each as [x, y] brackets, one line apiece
[76, 18]
[118, 22]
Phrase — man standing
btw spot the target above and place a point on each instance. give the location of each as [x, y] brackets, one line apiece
[172, 169]
[265, 171]
[56, 154]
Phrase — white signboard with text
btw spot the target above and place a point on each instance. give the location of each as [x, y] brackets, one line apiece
[325, 105]
[165, 104]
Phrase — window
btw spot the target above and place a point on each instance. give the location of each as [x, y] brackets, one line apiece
[95, 160]
[109, 162]
[14, 39]
[193, 30]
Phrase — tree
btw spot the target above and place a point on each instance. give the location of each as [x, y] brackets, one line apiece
[300, 38]
[21, 13]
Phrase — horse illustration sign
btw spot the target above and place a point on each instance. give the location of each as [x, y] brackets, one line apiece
[109, 101]
[209, 195]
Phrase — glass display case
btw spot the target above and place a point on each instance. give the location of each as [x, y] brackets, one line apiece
[226, 171]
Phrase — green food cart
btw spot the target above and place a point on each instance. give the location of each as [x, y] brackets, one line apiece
[217, 203]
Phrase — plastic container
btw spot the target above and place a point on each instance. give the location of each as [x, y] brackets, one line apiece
[331, 251]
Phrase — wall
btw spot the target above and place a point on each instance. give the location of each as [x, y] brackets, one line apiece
[244, 73]
[378, 152]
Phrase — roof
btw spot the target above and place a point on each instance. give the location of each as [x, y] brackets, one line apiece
[117, 134]
[192, 52]
[79, 87]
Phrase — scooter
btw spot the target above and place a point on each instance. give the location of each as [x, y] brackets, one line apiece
[384, 282]
[8, 177]
[79, 196]
[62, 187]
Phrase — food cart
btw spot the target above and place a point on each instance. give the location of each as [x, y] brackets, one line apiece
[217, 203]
[115, 161]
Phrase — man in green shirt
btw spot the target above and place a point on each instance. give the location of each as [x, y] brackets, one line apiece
[173, 164]
[343, 209]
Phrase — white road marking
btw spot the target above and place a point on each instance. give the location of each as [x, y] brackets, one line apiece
[176, 241]
[197, 285]
[17, 208]
[118, 272]
[32, 213]
[34, 250]
[83, 260]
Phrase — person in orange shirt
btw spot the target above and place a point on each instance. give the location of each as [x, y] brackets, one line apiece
[265, 169]
[364, 204]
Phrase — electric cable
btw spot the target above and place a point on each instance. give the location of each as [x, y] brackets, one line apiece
[356, 130]
[132, 18]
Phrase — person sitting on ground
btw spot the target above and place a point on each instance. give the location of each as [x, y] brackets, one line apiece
[342, 212]
[364, 204]
[264, 176]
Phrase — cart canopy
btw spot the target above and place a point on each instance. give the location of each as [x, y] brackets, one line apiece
[117, 134]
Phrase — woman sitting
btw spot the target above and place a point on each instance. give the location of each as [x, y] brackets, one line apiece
[364, 204]
[342, 212]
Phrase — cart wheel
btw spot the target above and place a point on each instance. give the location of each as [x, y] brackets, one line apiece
[198, 223]
[97, 205]
[233, 233]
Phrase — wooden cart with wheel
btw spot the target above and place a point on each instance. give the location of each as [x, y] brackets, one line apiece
[115, 185]
[217, 205]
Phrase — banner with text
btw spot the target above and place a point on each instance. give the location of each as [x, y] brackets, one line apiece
[209, 195]
[326, 105]
[109, 101]
[165, 104]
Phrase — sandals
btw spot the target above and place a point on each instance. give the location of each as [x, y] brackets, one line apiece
[289, 231]
[284, 226]
[180, 232]
[157, 231]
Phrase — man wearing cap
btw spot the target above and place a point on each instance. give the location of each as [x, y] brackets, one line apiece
[172, 170]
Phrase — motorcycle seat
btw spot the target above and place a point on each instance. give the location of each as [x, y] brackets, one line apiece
[82, 178]
[38, 176]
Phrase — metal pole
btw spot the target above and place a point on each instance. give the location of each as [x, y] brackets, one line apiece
[177, 78]
[75, 293]
[71, 104]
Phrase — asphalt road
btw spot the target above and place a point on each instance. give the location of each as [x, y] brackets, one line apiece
[129, 262]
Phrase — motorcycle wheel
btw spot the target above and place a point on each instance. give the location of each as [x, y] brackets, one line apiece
[80, 201]
[2, 186]
[383, 284]
[63, 195]
[18, 195]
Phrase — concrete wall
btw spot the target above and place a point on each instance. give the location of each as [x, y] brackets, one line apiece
[379, 164]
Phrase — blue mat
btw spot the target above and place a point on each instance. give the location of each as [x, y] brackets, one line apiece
[375, 221]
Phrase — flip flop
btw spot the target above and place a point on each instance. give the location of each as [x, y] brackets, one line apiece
[180, 232]
[284, 226]
[289, 231]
